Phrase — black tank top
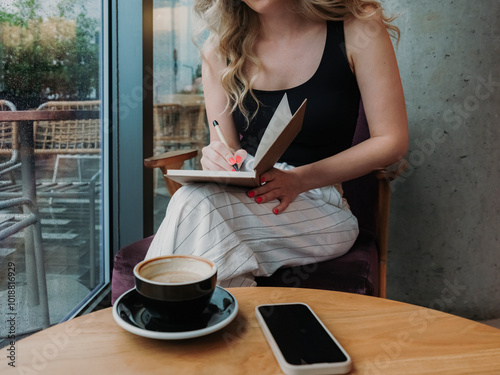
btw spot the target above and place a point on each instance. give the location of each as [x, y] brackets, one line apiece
[332, 107]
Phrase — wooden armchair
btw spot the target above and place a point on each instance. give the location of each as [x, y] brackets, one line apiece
[175, 160]
[362, 270]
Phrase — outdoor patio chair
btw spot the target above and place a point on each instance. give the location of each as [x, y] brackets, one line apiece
[69, 139]
[66, 138]
[179, 127]
[170, 129]
[72, 139]
[9, 149]
[199, 133]
[362, 270]
[20, 214]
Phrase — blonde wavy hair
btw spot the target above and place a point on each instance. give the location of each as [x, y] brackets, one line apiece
[234, 29]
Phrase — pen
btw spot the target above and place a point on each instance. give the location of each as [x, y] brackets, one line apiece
[223, 140]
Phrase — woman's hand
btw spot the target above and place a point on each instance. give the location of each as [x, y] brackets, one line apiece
[282, 185]
[217, 157]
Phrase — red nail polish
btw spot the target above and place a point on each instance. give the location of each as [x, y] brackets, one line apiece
[238, 159]
[258, 199]
[232, 161]
[262, 180]
[276, 211]
[251, 194]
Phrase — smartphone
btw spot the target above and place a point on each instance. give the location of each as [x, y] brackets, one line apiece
[300, 341]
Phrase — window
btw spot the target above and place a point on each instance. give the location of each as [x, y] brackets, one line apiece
[51, 59]
[178, 106]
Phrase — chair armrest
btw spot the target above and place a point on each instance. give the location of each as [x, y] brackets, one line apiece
[384, 177]
[171, 159]
[391, 172]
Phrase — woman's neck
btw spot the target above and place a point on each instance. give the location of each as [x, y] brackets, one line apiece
[282, 26]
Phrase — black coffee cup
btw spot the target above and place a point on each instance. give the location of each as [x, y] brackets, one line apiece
[179, 285]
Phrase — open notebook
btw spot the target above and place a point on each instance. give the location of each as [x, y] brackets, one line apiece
[281, 131]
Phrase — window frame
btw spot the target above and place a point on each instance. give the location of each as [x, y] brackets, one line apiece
[132, 119]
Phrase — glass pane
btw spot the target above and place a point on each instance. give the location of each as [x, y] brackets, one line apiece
[179, 112]
[50, 61]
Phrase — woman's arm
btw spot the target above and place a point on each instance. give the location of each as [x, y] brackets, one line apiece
[373, 61]
[216, 156]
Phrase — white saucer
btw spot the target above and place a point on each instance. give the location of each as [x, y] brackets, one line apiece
[131, 312]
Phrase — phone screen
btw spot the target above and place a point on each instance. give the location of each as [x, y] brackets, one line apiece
[299, 335]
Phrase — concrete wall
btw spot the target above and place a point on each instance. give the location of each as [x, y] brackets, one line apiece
[444, 249]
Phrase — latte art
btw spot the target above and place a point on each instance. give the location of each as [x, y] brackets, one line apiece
[176, 277]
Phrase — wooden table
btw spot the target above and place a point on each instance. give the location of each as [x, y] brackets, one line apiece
[382, 337]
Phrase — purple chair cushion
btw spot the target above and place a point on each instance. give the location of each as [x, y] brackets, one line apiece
[356, 271]
[125, 260]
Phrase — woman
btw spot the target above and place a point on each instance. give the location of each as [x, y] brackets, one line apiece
[332, 52]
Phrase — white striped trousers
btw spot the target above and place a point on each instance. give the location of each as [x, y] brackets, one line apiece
[245, 239]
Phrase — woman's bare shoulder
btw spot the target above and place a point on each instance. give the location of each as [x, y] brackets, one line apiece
[212, 59]
[368, 28]
[362, 35]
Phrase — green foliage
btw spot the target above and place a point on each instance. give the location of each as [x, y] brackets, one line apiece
[54, 58]
[12, 19]
[28, 9]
